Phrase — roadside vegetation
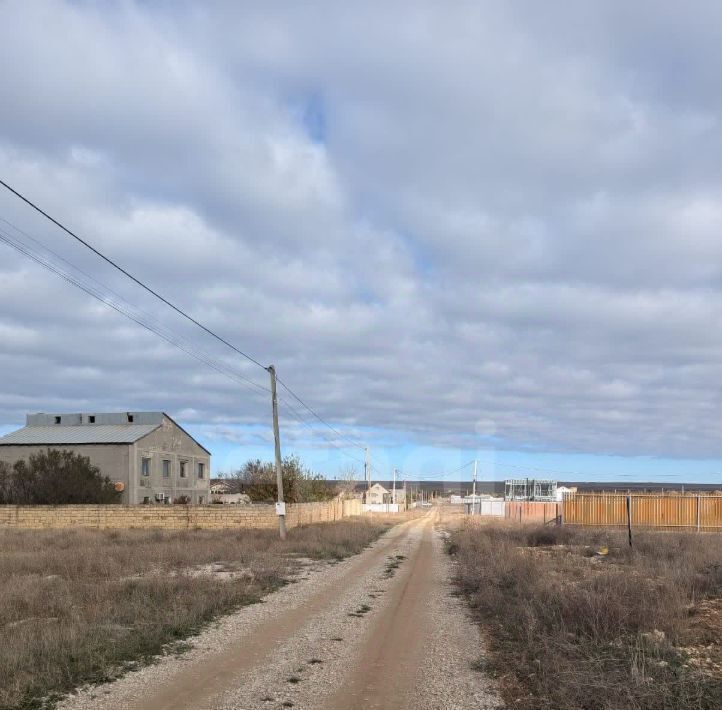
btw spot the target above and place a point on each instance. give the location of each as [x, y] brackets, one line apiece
[575, 620]
[257, 479]
[80, 606]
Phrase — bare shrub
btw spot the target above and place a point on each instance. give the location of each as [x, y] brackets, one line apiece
[570, 628]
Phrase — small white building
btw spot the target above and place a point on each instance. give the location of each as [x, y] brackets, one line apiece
[562, 490]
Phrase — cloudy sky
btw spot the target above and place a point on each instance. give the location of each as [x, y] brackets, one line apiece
[485, 229]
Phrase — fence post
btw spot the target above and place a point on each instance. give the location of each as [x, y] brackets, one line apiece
[698, 512]
[629, 518]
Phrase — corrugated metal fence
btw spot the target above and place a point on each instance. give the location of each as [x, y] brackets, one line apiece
[702, 512]
[532, 511]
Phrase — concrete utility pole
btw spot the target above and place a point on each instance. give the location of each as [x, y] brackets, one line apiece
[280, 505]
[473, 492]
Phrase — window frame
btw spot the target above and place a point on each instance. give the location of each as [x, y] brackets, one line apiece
[144, 468]
[167, 468]
[182, 470]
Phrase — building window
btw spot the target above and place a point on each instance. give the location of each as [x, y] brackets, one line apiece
[146, 500]
[201, 500]
[130, 419]
[201, 470]
[145, 467]
[57, 420]
[166, 468]
[91, 418]
[183, 472]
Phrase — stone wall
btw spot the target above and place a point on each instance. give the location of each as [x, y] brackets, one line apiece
[175, 517]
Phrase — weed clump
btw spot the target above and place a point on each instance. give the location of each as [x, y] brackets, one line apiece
[572, 629]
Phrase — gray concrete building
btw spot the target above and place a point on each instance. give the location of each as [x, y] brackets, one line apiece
[146, 453]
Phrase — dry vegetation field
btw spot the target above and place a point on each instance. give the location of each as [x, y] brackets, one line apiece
[569, 629]
[79, 606]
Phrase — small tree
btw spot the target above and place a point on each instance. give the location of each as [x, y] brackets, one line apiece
[347, 480]
[258, 480]
[55, 477]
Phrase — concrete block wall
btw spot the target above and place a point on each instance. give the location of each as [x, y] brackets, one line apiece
[171, 517]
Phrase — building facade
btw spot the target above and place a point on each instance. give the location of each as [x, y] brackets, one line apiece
[146, 454]
[382, 493]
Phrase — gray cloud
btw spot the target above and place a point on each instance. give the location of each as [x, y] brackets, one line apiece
[479, 223]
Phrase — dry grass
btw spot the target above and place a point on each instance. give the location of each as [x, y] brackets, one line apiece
[79, 606]
[572, 630]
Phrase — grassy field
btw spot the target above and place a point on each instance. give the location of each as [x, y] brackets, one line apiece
[79, 606]
[571, 629]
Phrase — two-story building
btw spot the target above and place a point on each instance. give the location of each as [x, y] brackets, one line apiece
[146, 454]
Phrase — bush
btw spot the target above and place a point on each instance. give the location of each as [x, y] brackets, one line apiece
[300, 485]
[55, 477]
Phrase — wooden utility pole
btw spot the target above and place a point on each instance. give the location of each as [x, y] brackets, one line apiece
[393, 490]
[280, 505]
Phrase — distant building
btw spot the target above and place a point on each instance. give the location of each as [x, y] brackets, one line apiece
[146, 454]
[385, 493]
[224, 492]
[530, 489]
[219, 488]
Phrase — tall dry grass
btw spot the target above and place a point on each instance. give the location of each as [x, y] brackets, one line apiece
[78, 606]
[571, 630]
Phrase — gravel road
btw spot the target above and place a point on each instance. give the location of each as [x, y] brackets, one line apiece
[379, 630]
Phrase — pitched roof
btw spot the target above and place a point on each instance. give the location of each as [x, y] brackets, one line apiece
[77, 434]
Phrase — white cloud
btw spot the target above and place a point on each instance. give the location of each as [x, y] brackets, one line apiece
[502, 223]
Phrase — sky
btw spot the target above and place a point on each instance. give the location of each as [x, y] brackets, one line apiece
[459, 230]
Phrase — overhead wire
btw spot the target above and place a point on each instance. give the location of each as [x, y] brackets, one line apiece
[127, 273]
[101, 293]
[295, 414]
[117, 303]
[170, 304]
[355, 444]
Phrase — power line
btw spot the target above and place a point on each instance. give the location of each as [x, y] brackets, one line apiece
[298, 417]
[356, 444]
[129, 275]
[177, 309]
[123, 308]
[100, 292]
[468, 463]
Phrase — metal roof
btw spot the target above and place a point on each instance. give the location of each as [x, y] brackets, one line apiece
[74, 434]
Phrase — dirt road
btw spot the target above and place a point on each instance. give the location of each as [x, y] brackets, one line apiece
[380, 630]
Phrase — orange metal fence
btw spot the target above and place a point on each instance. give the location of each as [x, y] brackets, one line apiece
[532, 511]
[702, 512]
